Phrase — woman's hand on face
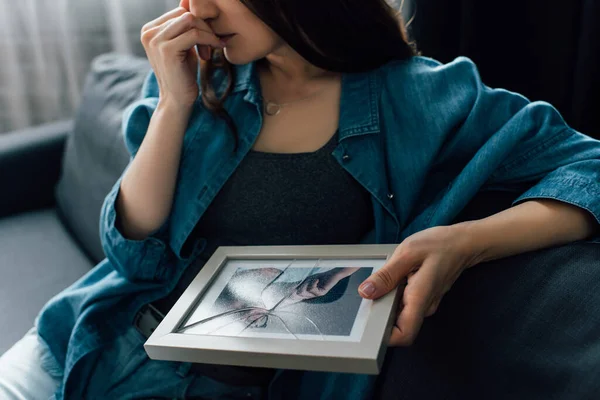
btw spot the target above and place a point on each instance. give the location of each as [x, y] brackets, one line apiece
[428, 263]
[170, 43]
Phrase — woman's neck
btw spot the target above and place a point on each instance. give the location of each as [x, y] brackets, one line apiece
[286, 68]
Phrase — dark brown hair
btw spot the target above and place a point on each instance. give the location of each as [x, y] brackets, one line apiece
[335, 35]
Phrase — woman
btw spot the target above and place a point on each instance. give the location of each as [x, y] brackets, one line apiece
[315, 124]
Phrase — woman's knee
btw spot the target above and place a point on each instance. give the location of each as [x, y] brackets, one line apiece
[22, 374]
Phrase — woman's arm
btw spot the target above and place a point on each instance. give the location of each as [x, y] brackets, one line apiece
[134, 216]
[134, 221]
[430, 261]
[317, 285]
[148, 185]
[528, 226]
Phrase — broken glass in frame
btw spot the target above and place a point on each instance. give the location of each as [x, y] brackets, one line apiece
[306, 299]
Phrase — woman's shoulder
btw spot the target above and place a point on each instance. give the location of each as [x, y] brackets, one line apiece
[429, 77]
[428, 85]
[427, 68]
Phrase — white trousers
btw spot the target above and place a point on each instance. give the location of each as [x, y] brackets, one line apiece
[22, 376]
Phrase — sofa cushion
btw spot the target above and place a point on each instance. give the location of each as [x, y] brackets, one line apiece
[95, 154]
[38, 258]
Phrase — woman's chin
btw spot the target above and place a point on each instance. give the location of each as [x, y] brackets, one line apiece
[231, 56]
[234, 57]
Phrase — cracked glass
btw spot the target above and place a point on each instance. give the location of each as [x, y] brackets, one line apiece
[307, 299]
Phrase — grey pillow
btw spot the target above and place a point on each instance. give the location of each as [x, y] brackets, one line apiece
[95, 153]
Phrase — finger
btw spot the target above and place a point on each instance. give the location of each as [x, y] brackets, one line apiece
[201, 25]
[396, 337]
[183, 23]
[307, 290]
[433, 307]
[389, 276]
[313, 285]
[185, 4]
[302, 288]
[164, 18]
[305, 295]
[191, 38]
[204, 52]
[317, 291]
[417, 299]
[173, 28]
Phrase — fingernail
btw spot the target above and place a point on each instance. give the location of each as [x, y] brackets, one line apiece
[367, 288]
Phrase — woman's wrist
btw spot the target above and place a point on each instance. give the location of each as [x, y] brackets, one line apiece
[473, 245]
[468, 243]
[171, 107]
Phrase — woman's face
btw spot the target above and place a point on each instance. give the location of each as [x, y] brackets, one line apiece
[247, 37]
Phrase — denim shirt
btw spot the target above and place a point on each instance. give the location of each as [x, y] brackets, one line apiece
[422, 137]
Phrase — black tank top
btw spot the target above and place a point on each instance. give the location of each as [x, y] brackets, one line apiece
[278, 199]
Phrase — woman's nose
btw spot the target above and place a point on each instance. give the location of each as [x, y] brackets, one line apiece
[204, 9]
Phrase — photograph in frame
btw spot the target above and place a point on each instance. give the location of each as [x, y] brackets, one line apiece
[309, 299]
[285, 307]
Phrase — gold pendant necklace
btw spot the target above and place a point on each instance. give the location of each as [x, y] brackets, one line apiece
[272, 109]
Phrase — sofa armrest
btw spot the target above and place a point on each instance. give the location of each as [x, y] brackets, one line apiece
[30, 164]
[502, 321]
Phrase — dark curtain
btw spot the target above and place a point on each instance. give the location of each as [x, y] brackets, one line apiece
[544, 49]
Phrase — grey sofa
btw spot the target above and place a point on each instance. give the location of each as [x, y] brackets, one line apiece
[54, 178]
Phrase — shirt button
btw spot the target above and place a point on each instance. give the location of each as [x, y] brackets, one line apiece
[346, 157]
[390, 196]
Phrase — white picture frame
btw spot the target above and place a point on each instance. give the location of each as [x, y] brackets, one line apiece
[217, 320]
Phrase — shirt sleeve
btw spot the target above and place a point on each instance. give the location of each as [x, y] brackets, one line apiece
[464, 137]
[134, 259]
[526, 147]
